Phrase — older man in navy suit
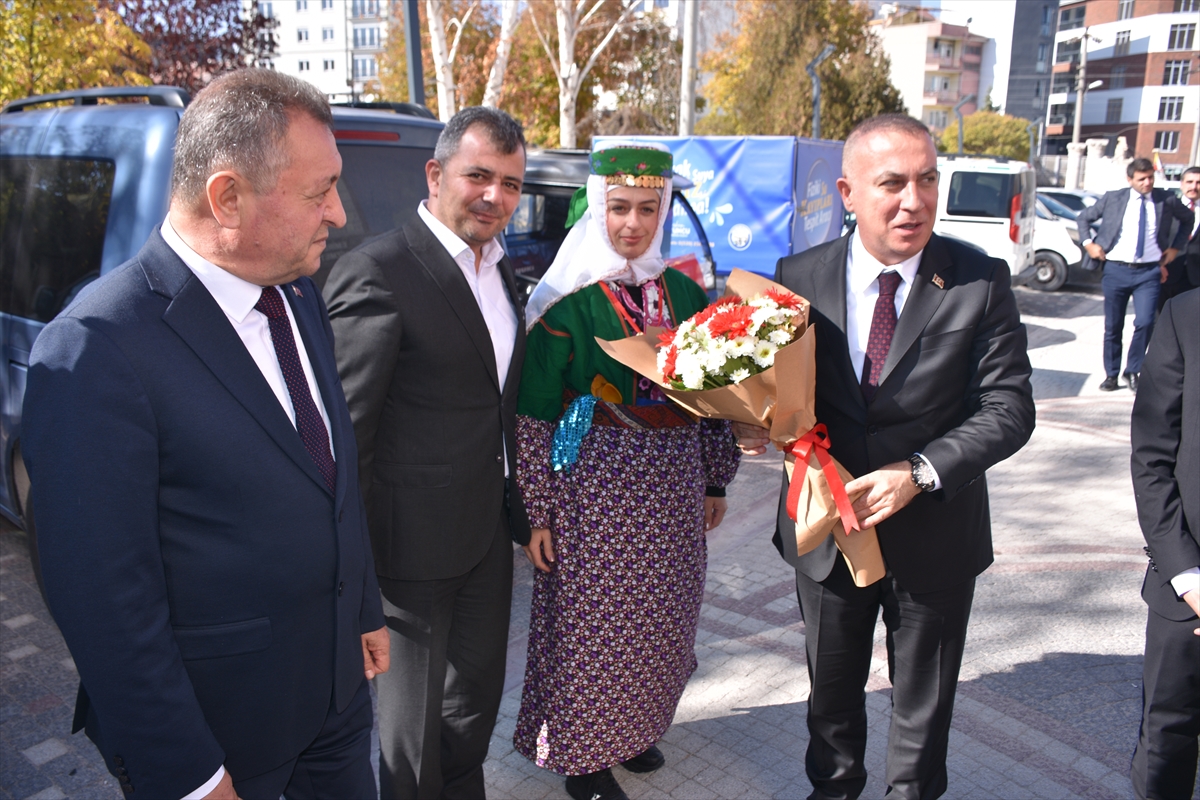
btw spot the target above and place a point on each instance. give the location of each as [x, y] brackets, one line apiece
[202, 535]
[1135, 244]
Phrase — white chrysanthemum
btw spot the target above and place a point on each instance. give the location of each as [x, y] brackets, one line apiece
[741, 346]
[713, 361]
[761, 315]
[780, 337]
[687, 364]
[764, 354]
[739, 375]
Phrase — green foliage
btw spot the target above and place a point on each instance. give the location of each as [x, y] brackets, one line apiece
[49, 46]
[760, 85]
[986, 132]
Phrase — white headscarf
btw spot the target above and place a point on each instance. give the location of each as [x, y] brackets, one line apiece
[587, 255]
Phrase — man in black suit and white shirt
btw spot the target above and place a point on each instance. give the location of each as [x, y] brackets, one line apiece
[922, 379]
[1165, 435]
[430, 340]
[1184, 272]
[1135, 243]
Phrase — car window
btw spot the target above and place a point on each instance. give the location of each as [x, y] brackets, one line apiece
[979, 194]
[53, 216]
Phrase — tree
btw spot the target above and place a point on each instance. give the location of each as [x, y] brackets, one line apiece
[990, 133]
[644, 70]
[760, 85]
[193, 41]
[51, 46]
[573, 22]
[510, 18]
[443, 58]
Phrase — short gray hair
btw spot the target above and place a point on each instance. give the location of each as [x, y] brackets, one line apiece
[891, 123]
[238, 122]
[502, 130]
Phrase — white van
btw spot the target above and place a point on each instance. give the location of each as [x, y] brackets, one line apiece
[989, 202]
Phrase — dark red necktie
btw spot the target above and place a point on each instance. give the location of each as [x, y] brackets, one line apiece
[883, 325]
[308, 419]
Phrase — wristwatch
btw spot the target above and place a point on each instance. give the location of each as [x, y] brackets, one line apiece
[922, 473]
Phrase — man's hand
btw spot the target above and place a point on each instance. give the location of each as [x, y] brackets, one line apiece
[540, 551]
[752, 439]
[224, 790]
[714, 512]
[1095, 251]
[376, 648]
[1169, 255]
[1193, 600]
[885, 491]
[1162, 278]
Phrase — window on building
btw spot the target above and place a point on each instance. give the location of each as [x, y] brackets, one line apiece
[1186, 5]
[364, 8]
[1166, 141]
[1037, 93]
[1121, 46]
[1067, 52]
[1047, 19]
[302, 34]
[266, 10]
[302, 5]
[935, 118]
[1116, 78]
[1041, 65]
[1062, 114]
[1071, 18]
[1170, 109]
[326, 34]
[303, 66]
[328, 65]
[1112, 114]
[1175, 73]
[1181, 37]
[326, 5]
[1125, 9]
[366, 37]
[973, 50]
[364, 67]
[1063, 82]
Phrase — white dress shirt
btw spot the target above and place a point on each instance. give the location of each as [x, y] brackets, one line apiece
[862, 290]
[1125, 248]
[487, 285]
[237, 298]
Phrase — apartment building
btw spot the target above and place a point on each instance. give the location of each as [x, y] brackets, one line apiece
[1143, 54]
[333, 44]
[934, 64]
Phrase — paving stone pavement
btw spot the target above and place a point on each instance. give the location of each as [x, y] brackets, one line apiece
[1050, 693]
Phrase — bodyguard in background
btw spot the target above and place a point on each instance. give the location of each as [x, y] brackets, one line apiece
[1165, 435]
[430, 344]
[1184, 272]
[1135, 243]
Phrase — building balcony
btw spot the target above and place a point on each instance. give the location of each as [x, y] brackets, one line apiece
[947, 97]
[938, 63]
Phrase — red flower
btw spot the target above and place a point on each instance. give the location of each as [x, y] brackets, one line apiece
[669, 364]
[731, 321]
[666, 338]
[705, 315]
[784, 299]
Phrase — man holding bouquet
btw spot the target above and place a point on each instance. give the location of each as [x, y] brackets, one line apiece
[923, 383]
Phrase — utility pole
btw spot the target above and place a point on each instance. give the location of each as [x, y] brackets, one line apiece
[687, 89]
[811, 69]
[958, 113]
[1080, 86]
[412, 52]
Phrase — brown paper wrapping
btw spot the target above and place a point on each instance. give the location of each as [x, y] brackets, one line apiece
[781, 399]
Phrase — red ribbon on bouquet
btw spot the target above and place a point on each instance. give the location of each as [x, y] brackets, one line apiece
[817, 441]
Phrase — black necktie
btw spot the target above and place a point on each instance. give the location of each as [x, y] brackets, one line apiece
[308, 419]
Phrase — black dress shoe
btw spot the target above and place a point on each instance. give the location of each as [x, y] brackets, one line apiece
[1109, 385]
[595, 786]
[648, 761]
[1133, 378]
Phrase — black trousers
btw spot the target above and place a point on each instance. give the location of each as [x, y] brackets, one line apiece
[438, 702]
[336, 764]
[925, 638]
[1164, 763]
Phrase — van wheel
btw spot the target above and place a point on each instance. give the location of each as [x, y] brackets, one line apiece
[1050, 271]
[21, 479]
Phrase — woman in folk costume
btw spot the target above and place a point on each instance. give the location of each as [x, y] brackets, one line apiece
[621, 485]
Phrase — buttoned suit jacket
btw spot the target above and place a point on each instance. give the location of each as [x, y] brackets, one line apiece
[210, 587]
[955, 387]
[1109, 211]
[432, 424]
[1165, 461]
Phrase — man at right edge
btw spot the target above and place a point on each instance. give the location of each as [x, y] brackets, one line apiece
[922, 379]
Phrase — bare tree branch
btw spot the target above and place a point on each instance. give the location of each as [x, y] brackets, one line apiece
[608, 37]
[461, 23]
[584, 20]
[546, 46]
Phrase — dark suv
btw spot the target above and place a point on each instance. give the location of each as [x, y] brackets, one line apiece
[84, 179]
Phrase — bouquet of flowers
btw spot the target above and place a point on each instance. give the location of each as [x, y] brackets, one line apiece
[730, 340]
[751, 357]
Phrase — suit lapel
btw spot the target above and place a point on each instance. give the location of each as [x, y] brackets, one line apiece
[320, 357]
[923, 300]
[510, 285]
[197, 319]
[433, 257]
[829, 295]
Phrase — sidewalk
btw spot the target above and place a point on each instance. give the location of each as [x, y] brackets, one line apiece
[1049, 699]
